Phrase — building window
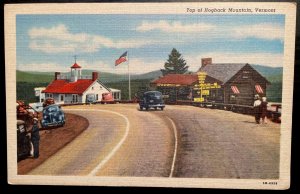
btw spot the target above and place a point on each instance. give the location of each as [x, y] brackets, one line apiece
[235, 89]
[49, 95]
[74, 98]
[96, 96]
[92, 88]
[61, 97]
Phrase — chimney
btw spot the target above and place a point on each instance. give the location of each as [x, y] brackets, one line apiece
[56, 74]
[95, 76]
[206, 61]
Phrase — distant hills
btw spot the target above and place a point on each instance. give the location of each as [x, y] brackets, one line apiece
[31, 77]
[42, 77]
[273, 74]
[27, 80]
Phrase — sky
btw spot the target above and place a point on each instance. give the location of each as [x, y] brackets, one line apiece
[50, 42]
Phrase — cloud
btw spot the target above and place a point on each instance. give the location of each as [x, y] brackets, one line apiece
[47, 46]
[140, 65]
[265, 31]
[59, 32]
[42, 67]
[266, 59]
[175, 26]
[131, 43]
[137, 66]
[98, 65]
[59, 39]
[143, 65]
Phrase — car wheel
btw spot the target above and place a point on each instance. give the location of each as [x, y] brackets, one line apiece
[147, 108]
[161, 108]
[141, 108]
[155, 108]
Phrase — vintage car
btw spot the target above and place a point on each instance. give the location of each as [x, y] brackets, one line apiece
[53, 115]
[24, 145]
[107, 98]
[91, 98]
[152, 99]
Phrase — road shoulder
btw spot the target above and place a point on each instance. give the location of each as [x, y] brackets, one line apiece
[53, 140]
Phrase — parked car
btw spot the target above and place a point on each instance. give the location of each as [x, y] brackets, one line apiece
[53, 115]
[23, 141]
[107, 98]
[152, 99]
[91, 98]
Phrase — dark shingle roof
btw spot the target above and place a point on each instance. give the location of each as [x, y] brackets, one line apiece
[222, 71]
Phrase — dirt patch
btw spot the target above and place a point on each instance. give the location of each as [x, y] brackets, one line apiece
[53, 140]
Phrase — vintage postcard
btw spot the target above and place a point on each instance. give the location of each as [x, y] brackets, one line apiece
[150, 94]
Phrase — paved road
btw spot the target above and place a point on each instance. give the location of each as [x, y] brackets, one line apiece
[221, 144]
[123, 141]
[145, 151]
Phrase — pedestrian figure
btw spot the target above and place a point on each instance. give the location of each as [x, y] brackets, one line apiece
[264, 105]
[35, 138]
[257, 109]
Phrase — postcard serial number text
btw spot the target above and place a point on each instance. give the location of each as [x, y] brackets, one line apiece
[270, 183]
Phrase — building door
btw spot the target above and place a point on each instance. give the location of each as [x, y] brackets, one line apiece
[61, 97]
[246, 96]
[74, 98]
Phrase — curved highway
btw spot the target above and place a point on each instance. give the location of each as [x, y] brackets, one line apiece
[118, 142]
[181, 141]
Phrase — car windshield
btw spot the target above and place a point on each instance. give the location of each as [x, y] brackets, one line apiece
[90, 97]
[52, 109]
[154, 94]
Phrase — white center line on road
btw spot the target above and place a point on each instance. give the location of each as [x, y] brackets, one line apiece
[116, 148]
[175, 149]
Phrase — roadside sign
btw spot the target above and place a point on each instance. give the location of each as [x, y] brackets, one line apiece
[202, 87]
[198, 99]
[205, 92]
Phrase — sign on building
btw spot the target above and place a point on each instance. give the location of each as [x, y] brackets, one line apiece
[203, 89]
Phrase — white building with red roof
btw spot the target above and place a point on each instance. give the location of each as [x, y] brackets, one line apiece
[74, 88]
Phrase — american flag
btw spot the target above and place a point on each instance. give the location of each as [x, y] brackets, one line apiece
[121, 59]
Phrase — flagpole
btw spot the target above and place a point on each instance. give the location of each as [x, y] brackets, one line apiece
[129, 87]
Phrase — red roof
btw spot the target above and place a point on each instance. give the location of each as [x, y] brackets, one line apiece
[66, 87]
[75, 66]
[181, 79]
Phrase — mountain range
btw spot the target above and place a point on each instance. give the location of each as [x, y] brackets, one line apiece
[273, 74]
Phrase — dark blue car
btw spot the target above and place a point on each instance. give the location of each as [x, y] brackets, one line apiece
[53, 116]
[91, 98]
[152, 99]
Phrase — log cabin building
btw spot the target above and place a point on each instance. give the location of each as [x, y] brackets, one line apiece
[239, 83]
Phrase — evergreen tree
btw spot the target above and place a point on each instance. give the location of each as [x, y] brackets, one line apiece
[175, 64]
